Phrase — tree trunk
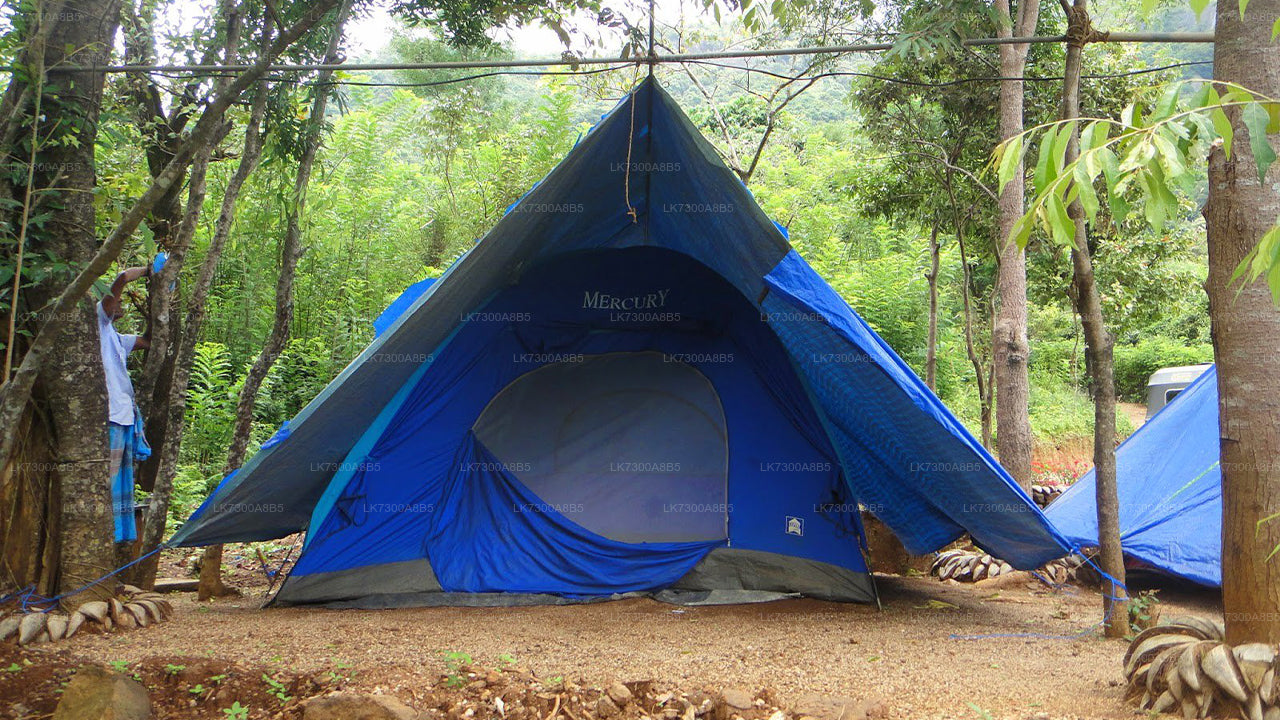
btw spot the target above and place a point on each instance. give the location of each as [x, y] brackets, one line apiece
[175, 406]
[982, 380]
[172, 226]
[1009, 348]
[980, 375]
[71, 391]
[291, 250]
[161, 371]
[931, 348]
[1098, 346]
[1246, 334]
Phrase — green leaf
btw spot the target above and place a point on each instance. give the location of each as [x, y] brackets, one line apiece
[1220, 122]
[1060, 144]
[1243, 4]
[1044, 164]
[1010, 160]
[1263, 259]
[1168, 100]
[1170, 156]
[1256, 119]
[1021, 232]
[1110, 169]
[1092, 141]
[1199, 6]
[1060, 223]
[1275, 30]
[1088, 197]
[1131, 116]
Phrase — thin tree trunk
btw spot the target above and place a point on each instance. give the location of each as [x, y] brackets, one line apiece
[1098, 347]
[1246, 334]
[931, 346]
[211, 567]
[979, 373]
[161, 369]
[1009, 347]
[175, 408]
[173, 226]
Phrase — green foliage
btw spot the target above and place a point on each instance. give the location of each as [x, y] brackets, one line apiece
[276, 689]
[211, 406]
[455, 663]
[1144, 611]
[1143, 158]
[236, 711]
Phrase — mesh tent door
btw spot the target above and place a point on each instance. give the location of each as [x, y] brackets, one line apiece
[631, 446]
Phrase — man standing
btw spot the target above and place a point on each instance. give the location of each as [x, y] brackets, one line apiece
[124, 423]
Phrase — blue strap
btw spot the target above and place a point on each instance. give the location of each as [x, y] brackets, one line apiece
[29, 596]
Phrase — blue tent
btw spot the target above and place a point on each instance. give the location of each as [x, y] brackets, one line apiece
[399, 305]
[1170, 489]
[631, 384]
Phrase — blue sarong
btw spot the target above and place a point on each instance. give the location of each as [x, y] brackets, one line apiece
[127, 446]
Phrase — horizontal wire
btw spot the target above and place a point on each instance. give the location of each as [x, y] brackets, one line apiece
[709, 63]
[657, 59]
[431, 83]
[947, 83]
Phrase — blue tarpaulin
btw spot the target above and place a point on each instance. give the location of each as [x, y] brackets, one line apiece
[590, 402]
[1170, 489]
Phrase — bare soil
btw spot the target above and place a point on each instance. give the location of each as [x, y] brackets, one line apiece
[1006, 648]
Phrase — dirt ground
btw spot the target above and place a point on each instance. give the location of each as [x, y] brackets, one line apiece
[996, 649]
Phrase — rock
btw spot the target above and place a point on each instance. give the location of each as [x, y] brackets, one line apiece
[738, 699]
[56, 625]
[354, 706]
[117, 610]
[96, 609]
[619, 694]
[96, 693]
[836, 707]
[9, 626]
[74, 622]
[139, 614]
[606, 707]
[153, 610]
[30, 627]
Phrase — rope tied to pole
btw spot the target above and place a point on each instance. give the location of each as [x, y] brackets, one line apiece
[1080, 29]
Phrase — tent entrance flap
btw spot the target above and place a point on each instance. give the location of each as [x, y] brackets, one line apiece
[631, 445]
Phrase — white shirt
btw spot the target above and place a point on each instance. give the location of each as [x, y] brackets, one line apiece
[115, 350]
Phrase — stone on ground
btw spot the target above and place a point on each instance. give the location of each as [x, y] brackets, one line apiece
[96, 693]
[619, 693]
[836, 707]
[354, 706]
[739, 699]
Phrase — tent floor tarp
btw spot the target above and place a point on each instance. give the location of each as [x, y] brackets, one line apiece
[724, 577]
